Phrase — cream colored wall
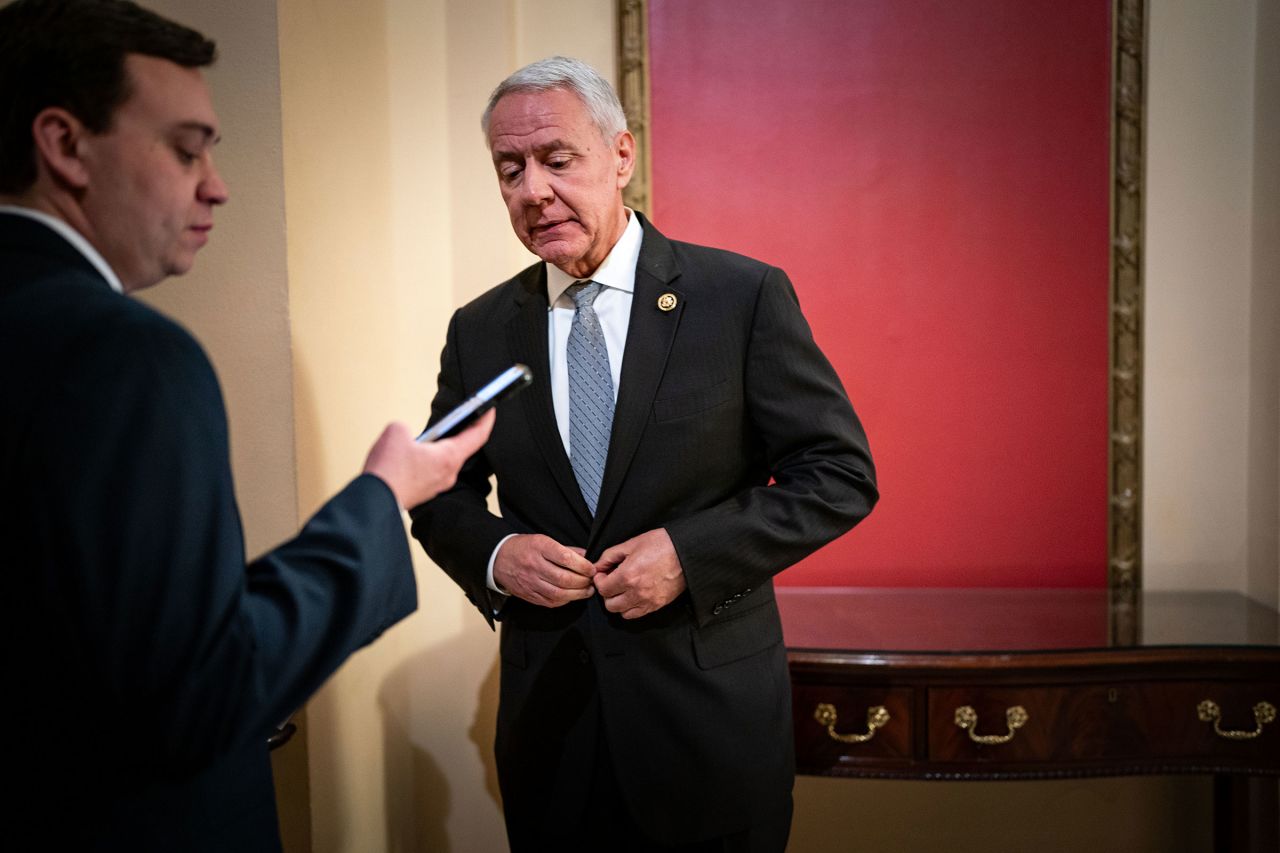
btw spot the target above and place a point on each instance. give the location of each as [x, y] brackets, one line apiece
[393, 220]
[1211, 377]
[236, 299]
[1198, 237]
[363, 331]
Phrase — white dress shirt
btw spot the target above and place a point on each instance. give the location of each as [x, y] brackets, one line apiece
[72, 236]
[617, 275]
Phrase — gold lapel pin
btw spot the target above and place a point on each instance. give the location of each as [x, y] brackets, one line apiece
[667, 301]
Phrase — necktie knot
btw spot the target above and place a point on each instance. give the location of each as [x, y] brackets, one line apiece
[584, 293]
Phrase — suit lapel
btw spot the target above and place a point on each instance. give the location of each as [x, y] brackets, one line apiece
[527, 331]
[649, 336]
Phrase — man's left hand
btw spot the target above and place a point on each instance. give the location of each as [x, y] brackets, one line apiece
[640, 575]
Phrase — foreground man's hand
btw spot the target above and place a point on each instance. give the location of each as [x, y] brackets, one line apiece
[640, 575]
[417, 472]
[541, 571]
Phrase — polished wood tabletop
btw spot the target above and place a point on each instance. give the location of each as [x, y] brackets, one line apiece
[1014, 620]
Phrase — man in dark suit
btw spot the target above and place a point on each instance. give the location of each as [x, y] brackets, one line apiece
[146, 664]
[684, 441]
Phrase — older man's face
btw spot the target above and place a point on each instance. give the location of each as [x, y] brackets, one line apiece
[152, 185]
[561, 181]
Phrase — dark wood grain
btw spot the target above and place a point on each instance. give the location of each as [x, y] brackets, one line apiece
[1094, 707]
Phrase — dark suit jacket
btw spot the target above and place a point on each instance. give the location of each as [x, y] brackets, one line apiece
[147, 662]
[717, 397]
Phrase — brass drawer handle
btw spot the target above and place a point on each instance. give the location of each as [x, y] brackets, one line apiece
[877, 717]
[1263, 713]
[967, 718]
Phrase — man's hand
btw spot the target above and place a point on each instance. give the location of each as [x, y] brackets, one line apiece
[541, 571]
[417, 472]
[640, 575]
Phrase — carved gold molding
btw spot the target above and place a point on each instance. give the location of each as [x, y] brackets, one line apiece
[1124, 468]
[1128, 134]
[633, 90]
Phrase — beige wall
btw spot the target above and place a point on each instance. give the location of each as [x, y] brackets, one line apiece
[236, 299]
[393, 220]
[1212, 350]
[325, 328]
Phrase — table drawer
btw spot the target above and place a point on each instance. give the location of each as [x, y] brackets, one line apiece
[1018, 724]
[1198, 720]
[1152, 722]
[839, 725]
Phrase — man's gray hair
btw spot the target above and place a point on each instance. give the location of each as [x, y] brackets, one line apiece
[563, 72]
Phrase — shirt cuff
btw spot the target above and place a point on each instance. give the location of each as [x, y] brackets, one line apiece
[488, 574]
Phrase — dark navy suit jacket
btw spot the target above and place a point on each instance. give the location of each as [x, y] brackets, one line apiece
[147, 661]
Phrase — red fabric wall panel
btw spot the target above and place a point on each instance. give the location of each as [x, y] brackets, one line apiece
[934, 177]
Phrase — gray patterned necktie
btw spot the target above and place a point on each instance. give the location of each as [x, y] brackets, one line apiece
[590, 393]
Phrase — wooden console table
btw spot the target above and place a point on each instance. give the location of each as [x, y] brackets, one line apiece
[1026, 684]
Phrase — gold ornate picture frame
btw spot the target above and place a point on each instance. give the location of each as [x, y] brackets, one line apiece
[1128, 102]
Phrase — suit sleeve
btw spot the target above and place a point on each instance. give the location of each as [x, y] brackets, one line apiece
[194, 652]
[816, 452]
[456, 528]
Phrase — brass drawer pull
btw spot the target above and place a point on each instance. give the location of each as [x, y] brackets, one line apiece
[967, 718]
[877, 717]
[1263, 713]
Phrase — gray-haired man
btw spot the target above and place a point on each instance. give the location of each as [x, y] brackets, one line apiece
[684, 441]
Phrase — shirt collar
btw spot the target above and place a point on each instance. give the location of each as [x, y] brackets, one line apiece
[618, 269]
[72, 236]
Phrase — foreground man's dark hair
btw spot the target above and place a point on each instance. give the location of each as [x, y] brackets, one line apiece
[70, 54]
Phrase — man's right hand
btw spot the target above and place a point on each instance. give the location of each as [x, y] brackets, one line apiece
[541, 571]
[417, 472]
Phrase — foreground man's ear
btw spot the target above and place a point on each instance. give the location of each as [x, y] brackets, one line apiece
[59, 138]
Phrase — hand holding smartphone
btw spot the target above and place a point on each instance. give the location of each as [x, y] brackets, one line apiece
[499, 388]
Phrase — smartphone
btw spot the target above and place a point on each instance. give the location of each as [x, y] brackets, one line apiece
[499, 388]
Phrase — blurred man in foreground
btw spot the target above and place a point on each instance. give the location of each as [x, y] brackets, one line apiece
[147, 662]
